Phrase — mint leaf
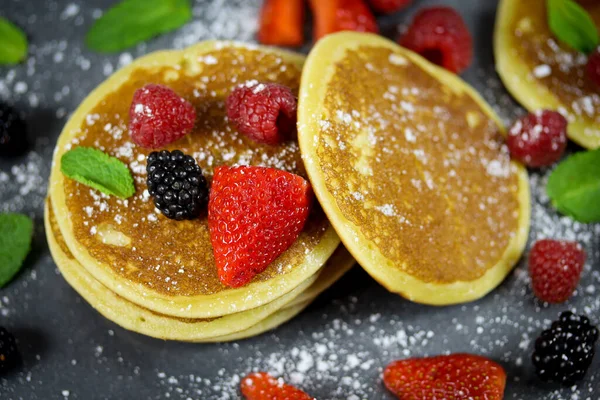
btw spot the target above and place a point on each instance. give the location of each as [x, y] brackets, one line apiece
[16, 231]
[98, 170]
[572, 24]
[13, 43]
[133, 21]
[574, 186]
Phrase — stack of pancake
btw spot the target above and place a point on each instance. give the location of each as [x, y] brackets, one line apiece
[406, 160]
[157, 276]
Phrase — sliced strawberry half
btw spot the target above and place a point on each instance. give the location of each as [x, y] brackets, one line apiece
[282, 23]
[254, 215]
[341, 15]
[456, 376]
[262, 386]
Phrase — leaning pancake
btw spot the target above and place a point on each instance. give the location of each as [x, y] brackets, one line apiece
[409, 164]
[161, 264]
[138, 319]
[542, 73]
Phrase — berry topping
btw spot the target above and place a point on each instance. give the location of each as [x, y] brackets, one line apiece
[593, 67]
[13, 140]
[158, 116]
[262, 386]
[555, 268]
[341, 15]
[389, 6]
[440, 35]
[282, 23]
[564, 352]
[265, 112]
[177, 185]
[456, 376]
[538, 139]
[254, 215]
[9, 354]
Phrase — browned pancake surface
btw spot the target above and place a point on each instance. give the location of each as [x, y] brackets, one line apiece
[168, 256]
[438, 192]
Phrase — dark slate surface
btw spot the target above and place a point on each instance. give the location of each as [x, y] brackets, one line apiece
[336, 348]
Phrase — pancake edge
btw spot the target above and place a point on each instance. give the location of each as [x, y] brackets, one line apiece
[202, 306]
[531, 94]
[379, 267]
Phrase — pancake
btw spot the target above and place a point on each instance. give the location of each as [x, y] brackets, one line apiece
[408, 163]
[164, 265]
[141, 320]
[541, 72]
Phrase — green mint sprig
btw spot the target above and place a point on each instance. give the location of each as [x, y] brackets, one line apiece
[573, 25]
[16, 232]
[574, 186]
[98, 170]
[133, 21]
[13, 43]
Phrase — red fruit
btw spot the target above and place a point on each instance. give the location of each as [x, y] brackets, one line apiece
[159, 116]
[282, 23]
[593, 67]
[555, 269]
[389, 6]
[457, 376]
[538, 139]
[265, 112]
[254, 215]
[341, 15]
[262, 386]
[440, 35]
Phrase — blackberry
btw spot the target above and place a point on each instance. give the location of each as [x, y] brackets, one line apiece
[177, 185]
[564, 352]
[13, 140]
[9, 354]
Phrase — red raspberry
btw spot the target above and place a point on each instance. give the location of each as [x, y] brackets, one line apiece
[265, 112]
[538, 139]
[158, 116]
[440, 35]
[593, 67]
[262, 386]
[389, 6]
[254, 215]
[555, 268]
[456, 376]
[341, 15]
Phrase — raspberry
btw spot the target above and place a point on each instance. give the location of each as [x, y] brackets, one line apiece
[555, 268]
[177, 184]
[265, 112]
[538, 139]
[262, 386]
[254, 215]
[565, 352]
[593, 67]
[158, 116]
[440, 35]
[456, 376]
[341, 15]
[389, 6]
[9, 354]
[13, 140]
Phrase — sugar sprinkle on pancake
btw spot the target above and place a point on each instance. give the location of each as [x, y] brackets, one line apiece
[541, 72]
[409, 165]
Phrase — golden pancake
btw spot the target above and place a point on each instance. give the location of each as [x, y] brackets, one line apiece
[408, 163]
[164, 265]
[541, 72]
[138, 319]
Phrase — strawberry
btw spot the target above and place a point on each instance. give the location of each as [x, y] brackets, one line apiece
[282, 23]
[456, 376]
[389, 6]
[341, 15]
[555, 269]
[254, 215]
[262, 386]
